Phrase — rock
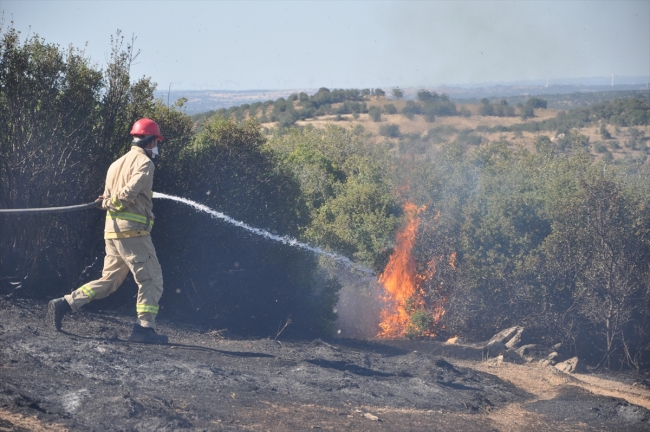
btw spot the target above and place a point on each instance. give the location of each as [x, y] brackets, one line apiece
[494, 348]
[512, 337]
[504, 335]
[550, 359]
[569, 366]
[513, 357]
[565, 352]
[495, 361]
[519, 338]
[531, 350]
[523, 350]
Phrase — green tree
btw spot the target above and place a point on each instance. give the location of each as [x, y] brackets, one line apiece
[375, 114]
[598, 253]
[535, 102]
[61, 122]
[425, 95]
[354, 221]
[485, 109]
[390, 109]
[389, 130]
[345, 184]
[604, 132]
[503, 224]
[526, 112]
[411, 109]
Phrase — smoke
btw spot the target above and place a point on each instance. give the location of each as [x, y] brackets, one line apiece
[465, 42]
[359, 303]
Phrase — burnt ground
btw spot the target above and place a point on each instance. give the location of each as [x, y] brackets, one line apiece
[89, 378]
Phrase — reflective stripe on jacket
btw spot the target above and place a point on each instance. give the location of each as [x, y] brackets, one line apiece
[127, 195]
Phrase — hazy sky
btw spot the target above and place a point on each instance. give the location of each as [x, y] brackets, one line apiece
[306, 44]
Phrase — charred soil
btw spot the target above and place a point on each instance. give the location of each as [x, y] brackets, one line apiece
[88, 377]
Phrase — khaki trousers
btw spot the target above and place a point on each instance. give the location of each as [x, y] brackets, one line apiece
[135, 254]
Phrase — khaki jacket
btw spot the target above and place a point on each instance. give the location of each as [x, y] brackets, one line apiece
[127, 196]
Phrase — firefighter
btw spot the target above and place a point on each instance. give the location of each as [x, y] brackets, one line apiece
[127, 199]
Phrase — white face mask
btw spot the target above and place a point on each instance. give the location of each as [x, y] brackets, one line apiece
[154, 152]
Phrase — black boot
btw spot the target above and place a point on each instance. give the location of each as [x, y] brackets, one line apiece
[56, 310]
[147, 335]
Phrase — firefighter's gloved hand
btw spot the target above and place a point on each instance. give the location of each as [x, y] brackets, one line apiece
[106, 204]
[112, 204]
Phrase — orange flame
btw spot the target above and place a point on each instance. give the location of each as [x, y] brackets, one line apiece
[399, 278]
[402, 284]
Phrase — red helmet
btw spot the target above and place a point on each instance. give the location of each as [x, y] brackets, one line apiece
[146, 126]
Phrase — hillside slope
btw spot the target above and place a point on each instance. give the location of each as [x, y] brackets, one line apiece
[611, 125]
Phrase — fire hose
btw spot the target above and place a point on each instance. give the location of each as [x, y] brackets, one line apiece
[286, 240]
[51, 209]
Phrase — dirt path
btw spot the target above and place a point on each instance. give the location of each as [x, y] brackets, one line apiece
[545, 382]
[90, 378]
[548, 385]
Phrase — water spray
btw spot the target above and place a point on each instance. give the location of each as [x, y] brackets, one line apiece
[282, 239]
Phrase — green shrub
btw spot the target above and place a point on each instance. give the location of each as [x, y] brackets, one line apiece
[389, 130]
[467, 136]
[375, 114]
[390, 109]
[421, 324]
[229, 168]
[411, 109]
[535, 102]
[604, 132]
[600, 147]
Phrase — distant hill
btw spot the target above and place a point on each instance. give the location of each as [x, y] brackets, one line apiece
[200, 101]
[614, 125]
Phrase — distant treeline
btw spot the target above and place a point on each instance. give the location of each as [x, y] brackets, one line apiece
[631, 111]
[622, 108]
[563, 101]
[300, 106]
[351, 101]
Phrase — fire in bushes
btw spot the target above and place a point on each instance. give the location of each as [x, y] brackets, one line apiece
[407, 310]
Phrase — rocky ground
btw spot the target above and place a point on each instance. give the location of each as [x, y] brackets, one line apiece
[89, 378]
